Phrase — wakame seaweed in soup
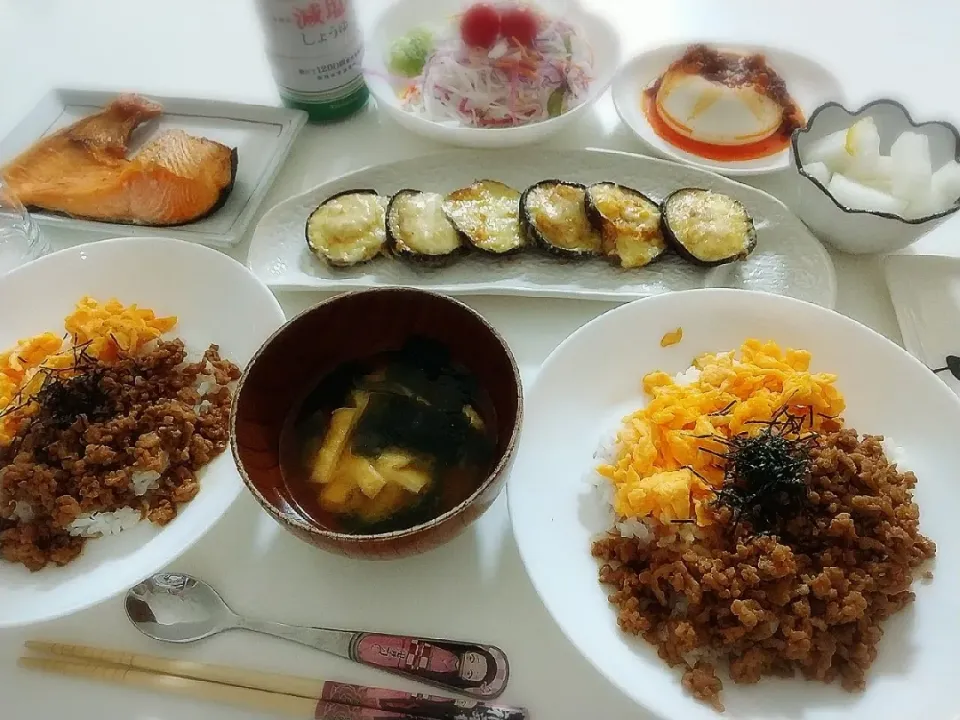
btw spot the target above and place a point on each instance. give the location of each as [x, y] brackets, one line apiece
[389, 442]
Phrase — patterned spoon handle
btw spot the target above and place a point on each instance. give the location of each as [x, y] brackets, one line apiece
[480, 671]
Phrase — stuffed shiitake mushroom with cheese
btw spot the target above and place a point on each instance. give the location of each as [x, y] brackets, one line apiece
[487, 216]
[348, 228]
[553, 216]
[629, 224]
[419, 230]
[707, 228]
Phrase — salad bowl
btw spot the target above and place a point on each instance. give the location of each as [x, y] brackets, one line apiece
[439, 18]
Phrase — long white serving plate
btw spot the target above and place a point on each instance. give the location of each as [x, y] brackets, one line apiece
[262, 136]
[788, 259]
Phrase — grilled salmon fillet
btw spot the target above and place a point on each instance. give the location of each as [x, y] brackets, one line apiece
[83, 170]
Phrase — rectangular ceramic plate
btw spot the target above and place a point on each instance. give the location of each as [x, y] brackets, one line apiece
[262, 136]
[788, 259]
[925, 290]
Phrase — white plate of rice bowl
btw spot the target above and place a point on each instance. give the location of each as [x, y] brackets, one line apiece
[690, 481]
[115, 413]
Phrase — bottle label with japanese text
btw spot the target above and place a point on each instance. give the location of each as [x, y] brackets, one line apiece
[315, 48]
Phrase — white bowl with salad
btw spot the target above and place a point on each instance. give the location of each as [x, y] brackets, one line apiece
[489, 74]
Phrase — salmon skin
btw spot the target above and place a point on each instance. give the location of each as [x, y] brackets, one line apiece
[83, 170]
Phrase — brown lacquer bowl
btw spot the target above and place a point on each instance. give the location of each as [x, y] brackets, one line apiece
[350, 327]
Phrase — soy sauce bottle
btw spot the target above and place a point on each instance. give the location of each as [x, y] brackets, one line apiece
[315, 49]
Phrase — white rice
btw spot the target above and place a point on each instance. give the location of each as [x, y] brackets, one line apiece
[22, 511]
[206, 383]
[688, 376]
[145, 480]
[632, 527]
[97, 524]
[104, 523]
[606, 453]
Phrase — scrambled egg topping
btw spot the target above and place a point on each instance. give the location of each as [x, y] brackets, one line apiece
[664, 470]
[108, 330]
[114, 330]
[671, 338]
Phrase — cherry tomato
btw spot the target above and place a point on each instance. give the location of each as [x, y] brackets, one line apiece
[520, 25]
[480, 26]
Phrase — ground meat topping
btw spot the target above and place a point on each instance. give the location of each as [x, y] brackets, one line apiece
[167, 418]
[766, 606]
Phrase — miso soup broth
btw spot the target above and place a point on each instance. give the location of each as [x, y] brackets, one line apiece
[389, 442]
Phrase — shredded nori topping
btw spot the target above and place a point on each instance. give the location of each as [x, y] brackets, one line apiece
[766, 474]
[68, 394]
[64, 400]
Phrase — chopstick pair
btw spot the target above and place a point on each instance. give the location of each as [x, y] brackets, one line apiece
[266, 692]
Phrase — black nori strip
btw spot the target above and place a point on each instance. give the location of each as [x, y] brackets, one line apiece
[765, 478]
[62, 400]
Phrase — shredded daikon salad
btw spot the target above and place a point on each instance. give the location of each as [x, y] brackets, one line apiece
[506, 86]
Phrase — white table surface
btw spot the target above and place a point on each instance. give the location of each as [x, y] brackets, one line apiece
[475, 587]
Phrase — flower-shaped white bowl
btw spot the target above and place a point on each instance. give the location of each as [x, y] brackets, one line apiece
[864, 232]
[405, 15]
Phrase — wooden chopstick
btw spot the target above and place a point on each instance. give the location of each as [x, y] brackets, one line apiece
[325, 698]
[239, 677]
[197, 689]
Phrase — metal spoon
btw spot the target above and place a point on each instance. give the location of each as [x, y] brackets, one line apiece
[178, 608]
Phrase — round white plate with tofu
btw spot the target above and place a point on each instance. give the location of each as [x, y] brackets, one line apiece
[713, 107]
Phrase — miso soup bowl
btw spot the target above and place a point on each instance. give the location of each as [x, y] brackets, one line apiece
[351, 327]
